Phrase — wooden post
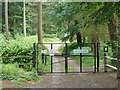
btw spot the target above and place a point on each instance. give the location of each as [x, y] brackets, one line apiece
[105, 62]
[118, 67]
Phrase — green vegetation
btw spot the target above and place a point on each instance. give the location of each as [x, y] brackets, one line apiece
[86, 61]
[41, 66]
[17, 75]
[77, 22]
[18, 47]
[21, 47]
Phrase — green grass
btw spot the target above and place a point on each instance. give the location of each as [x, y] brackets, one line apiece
[45, 39]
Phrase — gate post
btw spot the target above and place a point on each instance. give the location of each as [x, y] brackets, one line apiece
[118, 67]
[51, 61]
[34, 54]
[105, 62]
[37, 57]
[66, 63]
[94, 57]
[98, 56]
[45, 59]
[42, 57]
[81, 58]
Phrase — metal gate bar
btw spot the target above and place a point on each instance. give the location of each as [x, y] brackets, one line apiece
[51, 59]
[66, 62]
[94, 57]
[80, 59]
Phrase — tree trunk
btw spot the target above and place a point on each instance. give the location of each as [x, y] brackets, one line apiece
[14, 28]
[6, 20]
[24, 21]
[44, 28]
[112, 32]
[33, 29]
[14, 24]
[83, 39]
[40, 22]
[79, 37]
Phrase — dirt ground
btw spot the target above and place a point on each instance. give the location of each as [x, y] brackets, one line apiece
[79, 80]
[71, 80]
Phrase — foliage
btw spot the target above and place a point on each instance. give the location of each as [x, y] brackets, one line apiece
[49, 35]
[15, 18]
[17, 75]
[41, 66]
[71, 46]
[18, 47]
[87, 61]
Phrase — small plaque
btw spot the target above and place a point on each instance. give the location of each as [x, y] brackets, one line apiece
[51, 52]
[80, 51]
[105, 48]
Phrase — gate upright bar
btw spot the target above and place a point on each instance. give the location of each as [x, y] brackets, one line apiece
[80, 59]
[66, 63]
[34, 55]
[45, 59]
[94, 57]
[97, 57]
[42, 57]
[51, 60]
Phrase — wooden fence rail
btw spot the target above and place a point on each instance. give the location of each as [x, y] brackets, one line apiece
[110, 66]
[13, 57]
[21, 64]
[107, 65]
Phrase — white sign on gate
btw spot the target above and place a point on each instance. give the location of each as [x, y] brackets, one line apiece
[51, 52]
[80, 51]
[44, 51]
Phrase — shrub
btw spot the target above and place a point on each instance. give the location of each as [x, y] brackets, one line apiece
[18, 47]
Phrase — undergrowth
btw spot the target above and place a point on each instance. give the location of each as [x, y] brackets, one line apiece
[18, 75]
